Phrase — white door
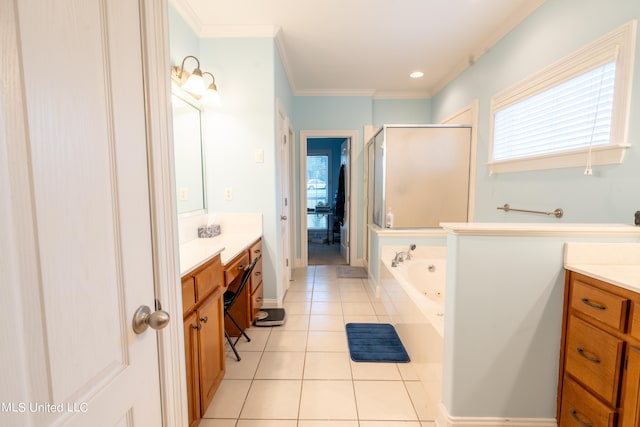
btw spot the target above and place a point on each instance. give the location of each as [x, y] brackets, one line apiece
[75, 222]
[285, 199]
[345, 150]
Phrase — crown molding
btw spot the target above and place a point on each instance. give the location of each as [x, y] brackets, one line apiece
[402, 95]
[284, 58]
[335, 92]
[238, 31]
[188, 14]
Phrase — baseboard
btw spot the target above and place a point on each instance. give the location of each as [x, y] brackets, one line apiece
[446, 420]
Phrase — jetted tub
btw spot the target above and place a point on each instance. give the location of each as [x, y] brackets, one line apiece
[413, 294]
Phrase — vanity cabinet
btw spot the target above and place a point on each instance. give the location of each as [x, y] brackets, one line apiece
[233, 272]
[599, 380]
[248, 304]
[256, 280]
[203, 314]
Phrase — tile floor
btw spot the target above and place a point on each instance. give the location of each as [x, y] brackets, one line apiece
[300, 374]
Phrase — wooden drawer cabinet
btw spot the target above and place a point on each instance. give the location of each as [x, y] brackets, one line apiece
[599, 380]
[188, 293]
[208, 278]
[234, 269]
[256, 280]
[603, 306]
[256, 277]
[256, 301]
[594, 357]
[203, 335]
[580, 408]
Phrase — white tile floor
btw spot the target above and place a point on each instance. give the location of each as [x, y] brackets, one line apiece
[300, 374]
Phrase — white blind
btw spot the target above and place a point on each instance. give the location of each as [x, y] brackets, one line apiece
[574, 114]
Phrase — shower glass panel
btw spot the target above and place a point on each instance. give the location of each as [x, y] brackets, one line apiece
[421, 175]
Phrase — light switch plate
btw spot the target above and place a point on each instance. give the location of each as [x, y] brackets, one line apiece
[228, 193]
[259, 156]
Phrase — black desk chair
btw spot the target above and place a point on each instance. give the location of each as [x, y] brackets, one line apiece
[230, 298]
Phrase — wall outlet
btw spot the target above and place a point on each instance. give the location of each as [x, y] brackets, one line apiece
[228, 193]
[183, 194]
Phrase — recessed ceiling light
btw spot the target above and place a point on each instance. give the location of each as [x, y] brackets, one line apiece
[416, 74]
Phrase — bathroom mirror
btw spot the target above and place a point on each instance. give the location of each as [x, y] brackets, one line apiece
[189, 154]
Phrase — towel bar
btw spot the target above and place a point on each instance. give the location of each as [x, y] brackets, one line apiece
[557, 213]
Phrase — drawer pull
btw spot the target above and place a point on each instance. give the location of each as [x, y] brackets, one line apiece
[588, 357]
[204, 319]
[241, 267]
[594, 304]
[575, 416]
[197, 327]
[257, 251]
[257, 274]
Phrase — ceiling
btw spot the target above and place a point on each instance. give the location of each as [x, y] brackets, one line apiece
[364, 47]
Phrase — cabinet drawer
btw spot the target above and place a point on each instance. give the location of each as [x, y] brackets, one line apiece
[256, 276]
[256, 301]
[606, 307]
[208, 279]
[580, 408]
[256, 250]
[634, 323]
[235, 267]
[188, 293]
[594, 358]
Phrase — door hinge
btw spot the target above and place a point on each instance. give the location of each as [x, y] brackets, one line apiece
[286, 262]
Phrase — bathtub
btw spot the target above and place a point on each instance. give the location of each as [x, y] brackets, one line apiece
[413, 295]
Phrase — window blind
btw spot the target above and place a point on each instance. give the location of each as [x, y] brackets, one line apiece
[571, 115]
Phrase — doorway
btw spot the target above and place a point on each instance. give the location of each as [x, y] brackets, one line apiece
[325, 195]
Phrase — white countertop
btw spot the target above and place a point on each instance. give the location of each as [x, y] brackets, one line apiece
[540, 229]
[196, 252]
[616, 263]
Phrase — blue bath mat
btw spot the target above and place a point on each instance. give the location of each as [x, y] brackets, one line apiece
[375, 342]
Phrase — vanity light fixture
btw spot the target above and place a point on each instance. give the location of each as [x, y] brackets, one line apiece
[210, 95]
[192, 83]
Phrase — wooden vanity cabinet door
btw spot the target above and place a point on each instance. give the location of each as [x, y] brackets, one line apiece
[192, 355]
[631, 390]
[188, 293]
[211, 349]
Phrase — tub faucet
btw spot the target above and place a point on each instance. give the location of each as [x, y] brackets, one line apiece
[397, 259]
[401, 256]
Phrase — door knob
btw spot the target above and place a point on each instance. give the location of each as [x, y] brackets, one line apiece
[283, 217]
[143, 318]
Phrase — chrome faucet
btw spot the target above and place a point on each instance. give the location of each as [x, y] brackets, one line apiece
[402, 255]
[412, 248]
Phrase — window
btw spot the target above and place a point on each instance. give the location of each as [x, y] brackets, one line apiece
[573, 113]
[317, 189]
